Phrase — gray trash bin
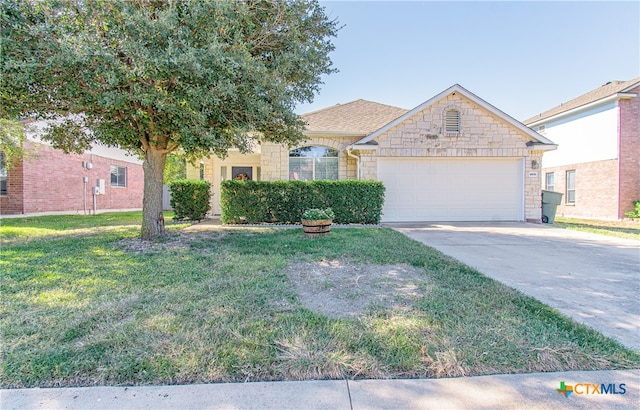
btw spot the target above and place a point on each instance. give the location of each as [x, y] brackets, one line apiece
[550, 201]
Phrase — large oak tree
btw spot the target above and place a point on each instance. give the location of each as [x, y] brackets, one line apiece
[155, 76]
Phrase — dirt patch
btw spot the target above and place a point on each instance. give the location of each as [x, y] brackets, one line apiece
[343, 289]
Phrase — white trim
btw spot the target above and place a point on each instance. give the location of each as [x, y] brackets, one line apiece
[456, 88]
[586, 107]
[542, 147]
[363, 147]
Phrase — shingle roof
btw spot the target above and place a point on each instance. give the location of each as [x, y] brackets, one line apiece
[356, 117]
[610, 88]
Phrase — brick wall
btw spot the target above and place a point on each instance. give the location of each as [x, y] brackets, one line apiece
[596, 189]
[629, 155]
[53, 182]
[12, 202]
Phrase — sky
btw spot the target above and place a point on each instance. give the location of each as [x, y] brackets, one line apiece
[522, 57]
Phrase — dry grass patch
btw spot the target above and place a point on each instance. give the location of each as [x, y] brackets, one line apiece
[340, 288]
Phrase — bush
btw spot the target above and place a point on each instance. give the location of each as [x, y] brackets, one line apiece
[285, 201]
[190, 199]
[636, 212]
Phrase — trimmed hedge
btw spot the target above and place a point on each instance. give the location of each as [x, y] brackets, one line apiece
[190, 199]
[285, 201]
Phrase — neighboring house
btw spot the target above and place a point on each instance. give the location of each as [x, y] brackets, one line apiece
[48, 180]
[597, 164]
[454, 157]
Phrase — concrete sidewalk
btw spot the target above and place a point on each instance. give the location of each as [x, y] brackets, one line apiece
[532, 391]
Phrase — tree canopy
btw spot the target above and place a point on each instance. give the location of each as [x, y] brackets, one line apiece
[152, 76]
[11, 140]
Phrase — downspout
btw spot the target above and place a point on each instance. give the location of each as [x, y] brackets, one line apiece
[357, 158]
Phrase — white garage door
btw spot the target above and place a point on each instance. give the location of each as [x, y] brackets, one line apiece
[450, 189]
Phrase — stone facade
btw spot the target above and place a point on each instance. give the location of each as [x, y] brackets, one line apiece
[48, 180]
[482, 134]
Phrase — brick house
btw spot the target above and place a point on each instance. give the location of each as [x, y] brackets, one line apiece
[454, 157]
[597, 163]
[48, 180]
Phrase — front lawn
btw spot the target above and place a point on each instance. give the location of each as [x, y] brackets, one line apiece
[629, 229]
[100, 307]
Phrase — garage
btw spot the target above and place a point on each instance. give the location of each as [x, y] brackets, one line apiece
[452, 189]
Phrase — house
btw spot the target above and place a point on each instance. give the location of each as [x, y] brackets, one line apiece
[454, 157]
[46, 180]
[597, 164]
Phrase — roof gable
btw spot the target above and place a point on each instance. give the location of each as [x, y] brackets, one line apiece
[359, 117]
[609, 89]
[456, 88]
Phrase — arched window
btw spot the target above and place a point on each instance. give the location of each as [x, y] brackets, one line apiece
[452, 122]
[312, 163]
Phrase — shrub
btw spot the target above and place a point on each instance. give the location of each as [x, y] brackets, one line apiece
[636, 212]
[190, 199]
[317, 214]
[285, 201]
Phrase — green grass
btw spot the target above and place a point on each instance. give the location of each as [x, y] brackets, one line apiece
[14, 230]
[629, 229]
[103, 307]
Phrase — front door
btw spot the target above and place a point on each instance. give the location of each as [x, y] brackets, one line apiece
[242, 173]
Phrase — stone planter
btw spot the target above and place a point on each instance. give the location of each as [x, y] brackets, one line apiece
[316, 227]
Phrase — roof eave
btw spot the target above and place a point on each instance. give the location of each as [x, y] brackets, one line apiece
[334, 134]
[586, 107]
[631, 87]
[541, 147]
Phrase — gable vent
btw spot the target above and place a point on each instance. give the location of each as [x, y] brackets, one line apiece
[452, 122]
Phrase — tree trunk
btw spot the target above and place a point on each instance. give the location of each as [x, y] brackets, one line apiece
[152, 217]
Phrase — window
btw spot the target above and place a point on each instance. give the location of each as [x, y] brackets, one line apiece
[202, 171]
[3, 174]
[541, 129]
[452, 122]
[571, 187]
[549, 181]
[118, 176]
[313, 163]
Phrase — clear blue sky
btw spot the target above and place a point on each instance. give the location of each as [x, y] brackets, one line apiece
[522, 57]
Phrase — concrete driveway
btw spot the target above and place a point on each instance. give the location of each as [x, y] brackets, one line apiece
[592, 278]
